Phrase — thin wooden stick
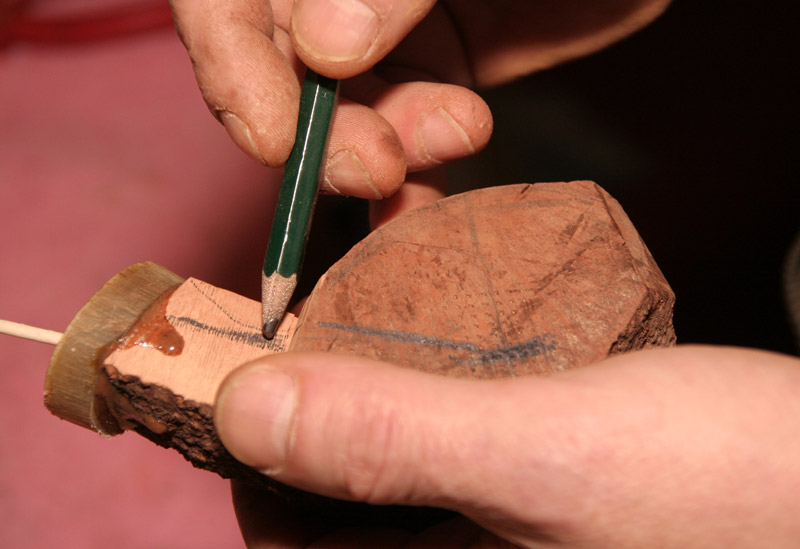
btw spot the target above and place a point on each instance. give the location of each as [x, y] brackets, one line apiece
[29, 332]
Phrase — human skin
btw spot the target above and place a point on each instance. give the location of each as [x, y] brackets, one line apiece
[405, 106]
[688, 447]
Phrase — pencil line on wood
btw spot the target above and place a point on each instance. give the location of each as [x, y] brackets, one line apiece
[29, 332]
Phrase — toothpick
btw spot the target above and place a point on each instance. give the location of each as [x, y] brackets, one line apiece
[29, 332]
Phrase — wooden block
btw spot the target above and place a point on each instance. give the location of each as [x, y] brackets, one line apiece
[506, 281]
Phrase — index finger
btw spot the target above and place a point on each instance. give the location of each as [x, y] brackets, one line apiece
[246, 79]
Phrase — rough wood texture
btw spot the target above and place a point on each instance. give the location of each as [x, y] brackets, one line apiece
[519, 280]
[505, 281]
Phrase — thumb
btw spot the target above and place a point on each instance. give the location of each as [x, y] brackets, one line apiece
[357, 429]
[625, 453]
[342, 38]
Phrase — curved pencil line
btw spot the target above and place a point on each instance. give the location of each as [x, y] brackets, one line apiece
[221, 308]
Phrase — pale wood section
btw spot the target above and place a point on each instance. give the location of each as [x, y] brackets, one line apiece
[505, 281]
[555, 32]
[74, 369]
[150, 324]
[220, 331]
[33, 333]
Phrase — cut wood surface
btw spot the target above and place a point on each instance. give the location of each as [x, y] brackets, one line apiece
[506, 281]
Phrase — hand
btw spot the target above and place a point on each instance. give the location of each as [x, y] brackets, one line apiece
[685, 447]
[405, 106]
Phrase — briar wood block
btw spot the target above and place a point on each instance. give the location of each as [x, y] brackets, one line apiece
[519, 280]
[498, 282]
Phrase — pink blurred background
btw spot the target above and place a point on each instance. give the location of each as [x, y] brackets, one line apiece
[108, 157]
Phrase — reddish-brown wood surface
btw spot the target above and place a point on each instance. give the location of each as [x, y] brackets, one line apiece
[516, 280]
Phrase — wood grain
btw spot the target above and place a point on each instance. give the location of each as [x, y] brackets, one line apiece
[500, 282]
[73, 374]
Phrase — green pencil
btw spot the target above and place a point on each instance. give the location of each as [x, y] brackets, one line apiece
[296, 200]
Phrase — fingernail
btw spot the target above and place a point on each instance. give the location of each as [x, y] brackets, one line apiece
[346, 174]
[240, 133]
[441, 138]
[253, 417]
[335, 30]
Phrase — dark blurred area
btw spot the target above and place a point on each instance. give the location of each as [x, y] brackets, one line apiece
[690, 124]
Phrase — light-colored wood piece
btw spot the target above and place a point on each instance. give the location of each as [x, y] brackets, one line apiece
[33, 333]
[161, 378]
[194, 338]
[123, 317]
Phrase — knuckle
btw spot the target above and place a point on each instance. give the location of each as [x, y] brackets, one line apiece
[371, 454]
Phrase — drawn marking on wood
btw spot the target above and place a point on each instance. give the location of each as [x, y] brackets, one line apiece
[222, 309]
[482, 262]
[527, 349]
[253, 339]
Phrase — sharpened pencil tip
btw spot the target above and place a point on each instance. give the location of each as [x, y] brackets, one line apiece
[276, 292]
[270, 327]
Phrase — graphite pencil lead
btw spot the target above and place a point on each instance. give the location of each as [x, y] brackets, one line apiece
[270, 327]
